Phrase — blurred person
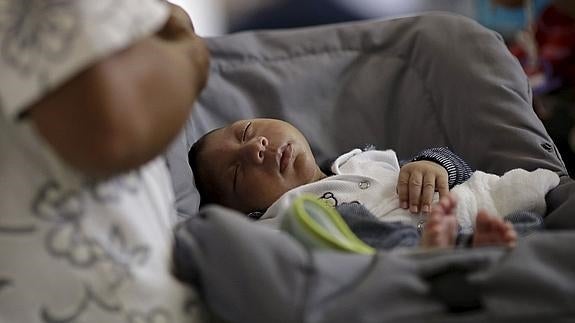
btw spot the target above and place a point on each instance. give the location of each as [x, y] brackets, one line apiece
[91, 93]
[548, 54]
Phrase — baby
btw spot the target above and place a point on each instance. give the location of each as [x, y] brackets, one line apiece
[262, 164]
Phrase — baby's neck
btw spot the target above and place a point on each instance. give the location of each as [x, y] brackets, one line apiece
[319, 175]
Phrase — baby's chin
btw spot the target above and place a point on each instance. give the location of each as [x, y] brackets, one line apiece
[304, 170]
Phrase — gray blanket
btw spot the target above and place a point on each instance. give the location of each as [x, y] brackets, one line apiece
[406, 84]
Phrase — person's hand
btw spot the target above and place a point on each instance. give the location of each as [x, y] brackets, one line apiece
[178, 32]
[417, 183]
[178, 24]
[134, 101]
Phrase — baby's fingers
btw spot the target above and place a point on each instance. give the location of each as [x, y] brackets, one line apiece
[403, 189]
[427, 192]
[442, 185]
[415, 187]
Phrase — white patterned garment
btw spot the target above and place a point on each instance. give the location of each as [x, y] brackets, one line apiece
[73, 252]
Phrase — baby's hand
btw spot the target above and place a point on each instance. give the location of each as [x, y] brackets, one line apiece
[417, 183]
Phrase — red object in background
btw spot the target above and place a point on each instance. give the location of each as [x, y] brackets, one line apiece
[555, 38]
[552, 76]
[555, 34]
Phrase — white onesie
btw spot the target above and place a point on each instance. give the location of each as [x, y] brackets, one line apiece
[370, 178]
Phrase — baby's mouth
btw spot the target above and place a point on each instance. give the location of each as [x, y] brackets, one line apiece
[285, 156]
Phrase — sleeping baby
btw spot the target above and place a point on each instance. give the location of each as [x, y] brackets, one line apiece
[259, 166]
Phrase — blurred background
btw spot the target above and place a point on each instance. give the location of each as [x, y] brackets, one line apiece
[218, 17]
[540, 33]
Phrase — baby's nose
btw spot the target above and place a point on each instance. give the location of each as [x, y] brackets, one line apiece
[254, 150]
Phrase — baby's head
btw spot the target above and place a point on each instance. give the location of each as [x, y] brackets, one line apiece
[249, 164]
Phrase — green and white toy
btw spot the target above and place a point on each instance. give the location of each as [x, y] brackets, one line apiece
[318, 225]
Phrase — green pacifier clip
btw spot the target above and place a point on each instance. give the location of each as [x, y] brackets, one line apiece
[317, 225]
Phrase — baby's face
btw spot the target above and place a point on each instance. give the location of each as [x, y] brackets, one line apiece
[249, 164]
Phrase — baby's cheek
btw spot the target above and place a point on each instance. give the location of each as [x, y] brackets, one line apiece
[303, 171]
[262, 190]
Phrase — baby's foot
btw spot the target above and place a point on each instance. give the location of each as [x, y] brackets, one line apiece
[493, 231]
[440, 230]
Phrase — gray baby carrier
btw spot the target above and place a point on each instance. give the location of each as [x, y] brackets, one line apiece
[406, 84]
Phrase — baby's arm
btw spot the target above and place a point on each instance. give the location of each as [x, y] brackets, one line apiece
[434, 169]
[457, 169]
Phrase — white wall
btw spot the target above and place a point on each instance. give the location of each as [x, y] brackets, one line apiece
[208, 16]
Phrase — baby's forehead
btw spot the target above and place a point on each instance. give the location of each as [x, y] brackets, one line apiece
[222, 132]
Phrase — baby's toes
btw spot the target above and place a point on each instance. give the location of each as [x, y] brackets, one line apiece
[432, 235]
[433, 231]
[510, 235]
